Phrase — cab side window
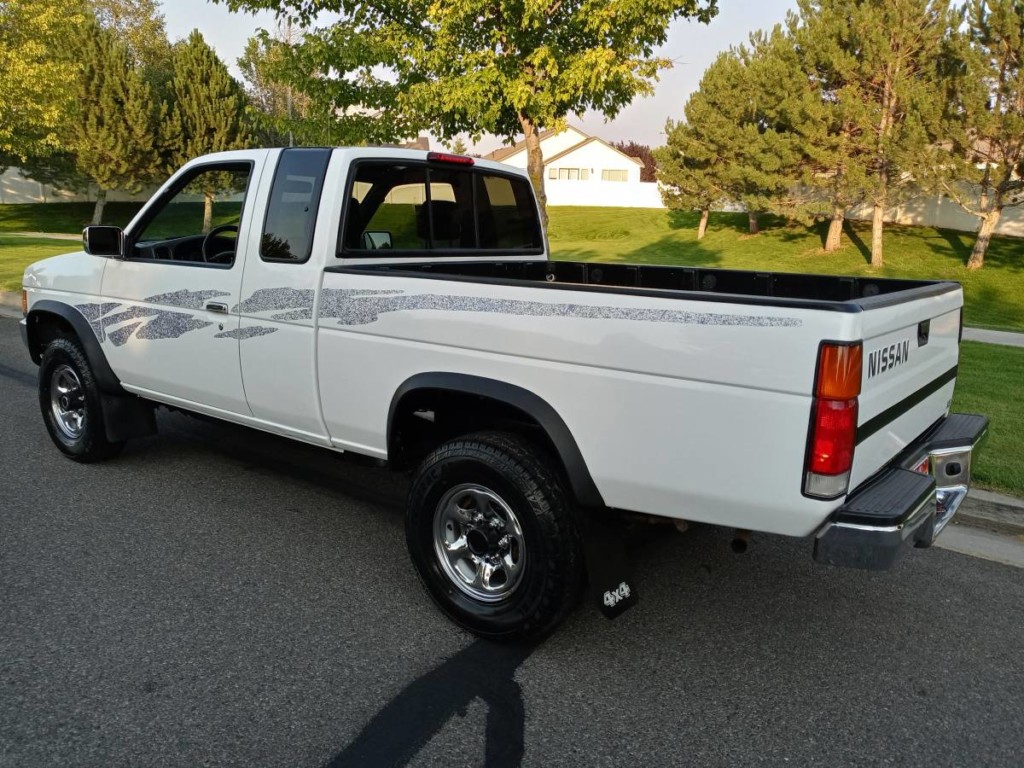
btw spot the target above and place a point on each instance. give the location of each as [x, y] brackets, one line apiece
[198, 221]
[294, 199]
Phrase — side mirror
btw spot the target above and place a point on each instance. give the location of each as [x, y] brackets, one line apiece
[103, 241]
[376, 241]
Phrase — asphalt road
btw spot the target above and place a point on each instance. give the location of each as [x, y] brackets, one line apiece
[217, 596]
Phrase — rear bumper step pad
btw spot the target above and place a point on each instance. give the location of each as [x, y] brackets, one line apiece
[901, 506]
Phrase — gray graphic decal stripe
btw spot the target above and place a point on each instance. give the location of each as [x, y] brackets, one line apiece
[242, 334]
[120, 335]
[362, 309]
[93, 312]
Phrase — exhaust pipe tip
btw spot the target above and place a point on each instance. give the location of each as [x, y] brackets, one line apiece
[740, 541]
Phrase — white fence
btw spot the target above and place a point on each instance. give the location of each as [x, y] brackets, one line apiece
[619, 194]
[15, 188]
[943, 213]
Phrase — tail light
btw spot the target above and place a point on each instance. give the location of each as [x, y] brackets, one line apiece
[833, 431]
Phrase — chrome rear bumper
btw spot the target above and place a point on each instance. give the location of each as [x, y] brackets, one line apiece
[901, 505]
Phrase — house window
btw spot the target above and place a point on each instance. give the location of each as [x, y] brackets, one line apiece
[570, 174]
[614, 174]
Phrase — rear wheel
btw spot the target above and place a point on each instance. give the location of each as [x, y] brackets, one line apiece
[71, 404]
[495, 537]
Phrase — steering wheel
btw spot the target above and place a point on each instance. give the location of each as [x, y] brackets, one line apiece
[209, 238]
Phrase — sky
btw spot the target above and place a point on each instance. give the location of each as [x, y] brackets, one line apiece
[690, 45]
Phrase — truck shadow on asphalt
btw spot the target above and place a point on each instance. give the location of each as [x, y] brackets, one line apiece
[482, 670]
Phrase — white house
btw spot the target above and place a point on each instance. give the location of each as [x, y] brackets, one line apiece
[580, 169]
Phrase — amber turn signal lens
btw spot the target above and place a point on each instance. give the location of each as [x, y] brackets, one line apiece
[839, 371]
[24, 301]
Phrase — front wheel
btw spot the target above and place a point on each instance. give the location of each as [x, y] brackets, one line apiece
[71, 405]
[495, 537]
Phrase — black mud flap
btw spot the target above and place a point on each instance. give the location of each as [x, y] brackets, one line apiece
[611, 577]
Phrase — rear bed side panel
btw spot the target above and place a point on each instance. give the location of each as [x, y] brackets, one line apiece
[679, 408]
[908, 376]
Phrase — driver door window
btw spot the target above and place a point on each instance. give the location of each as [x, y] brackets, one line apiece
[199, 223]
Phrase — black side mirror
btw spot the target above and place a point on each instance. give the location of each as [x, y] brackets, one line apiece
[376, 241]
[103, 241]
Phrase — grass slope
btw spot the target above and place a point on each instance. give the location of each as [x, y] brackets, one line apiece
[991, 381]
[62, 218]
[994, 295]
[16, 253]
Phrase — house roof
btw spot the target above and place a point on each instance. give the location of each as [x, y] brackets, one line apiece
[503, 153]
[584, 143]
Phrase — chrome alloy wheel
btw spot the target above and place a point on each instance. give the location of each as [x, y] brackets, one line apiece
[479, 542]
[67, 401]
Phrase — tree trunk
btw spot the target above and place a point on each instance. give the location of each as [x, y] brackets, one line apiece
[207, 212]
[702, 228]
[988, 226]
[877, 222]
[97, 212]
[752, 222]
[835, 230]
[535, 165]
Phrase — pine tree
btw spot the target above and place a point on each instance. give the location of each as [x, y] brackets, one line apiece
[988, 119]
[209, 110]
[687, 172]
[882, 63]
[112, 130]
[834, 154]
[734, 141]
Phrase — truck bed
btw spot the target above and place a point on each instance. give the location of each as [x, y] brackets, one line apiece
[830, 292]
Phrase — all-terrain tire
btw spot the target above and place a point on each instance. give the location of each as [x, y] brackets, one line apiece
[516, 475]
[64, 372]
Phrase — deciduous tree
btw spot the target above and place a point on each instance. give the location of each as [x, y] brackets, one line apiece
[37, 74]
[472, 66]
[644, 154]
[283, 115]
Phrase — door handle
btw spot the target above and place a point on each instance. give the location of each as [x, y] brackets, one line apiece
[217, 306]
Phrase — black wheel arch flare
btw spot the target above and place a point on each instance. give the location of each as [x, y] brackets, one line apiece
[104, 374]
[583, 486]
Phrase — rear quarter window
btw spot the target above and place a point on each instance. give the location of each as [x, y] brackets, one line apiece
[408, 208]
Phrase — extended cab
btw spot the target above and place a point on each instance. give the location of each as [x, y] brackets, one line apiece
[401, 304]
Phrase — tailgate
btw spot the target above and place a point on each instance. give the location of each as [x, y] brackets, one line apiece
[911, 349]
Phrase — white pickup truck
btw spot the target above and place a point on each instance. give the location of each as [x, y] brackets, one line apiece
[401, 304]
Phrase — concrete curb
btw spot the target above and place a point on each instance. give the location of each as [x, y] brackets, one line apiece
[985, 336]
[992, 511]
[10, 304]
[44, 235]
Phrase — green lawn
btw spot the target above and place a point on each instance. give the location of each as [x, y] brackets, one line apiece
[16, 253]
[62, 218]
[994, 296]
[991, 381]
